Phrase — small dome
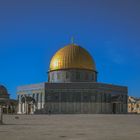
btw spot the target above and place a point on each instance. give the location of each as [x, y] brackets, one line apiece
[72, 57]
[3, 90]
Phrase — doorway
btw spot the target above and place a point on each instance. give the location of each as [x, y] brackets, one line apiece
[29, 108]
[114, 108]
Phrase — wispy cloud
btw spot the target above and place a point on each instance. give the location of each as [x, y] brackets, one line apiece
[114, 53]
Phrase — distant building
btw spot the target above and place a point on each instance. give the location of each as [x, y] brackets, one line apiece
[133, 105]
[72, 88]
[8, 105]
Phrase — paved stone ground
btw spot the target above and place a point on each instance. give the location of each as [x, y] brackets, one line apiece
[70, 127]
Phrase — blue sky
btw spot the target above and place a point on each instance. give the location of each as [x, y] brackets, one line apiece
[32, 31]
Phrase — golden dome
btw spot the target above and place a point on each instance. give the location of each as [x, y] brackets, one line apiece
[72, 57]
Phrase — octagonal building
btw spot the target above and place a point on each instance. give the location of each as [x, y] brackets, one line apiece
[72, 88]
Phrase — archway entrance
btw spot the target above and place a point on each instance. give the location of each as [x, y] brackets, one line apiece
[117, 100]
[29, 109]
[27, 105]
[114, 108]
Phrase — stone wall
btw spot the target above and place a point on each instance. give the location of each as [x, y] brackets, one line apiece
[79, 108]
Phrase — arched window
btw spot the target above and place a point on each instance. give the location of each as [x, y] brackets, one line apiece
[67, 75]
[63, 75]
[58, 75]
[33, 95]
[37, 97]
[40, 97]
[86, 76]
[52, 76]
[77, 75]
[93, 77]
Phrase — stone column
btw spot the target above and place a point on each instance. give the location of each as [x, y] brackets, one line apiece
[32, 109]
[36, 98]
[26, 110]
[43, 100]
[19, 105]
[39, 99]
[1, 115]
[7, 109]
[23, 108]
[19, 108]
[120, 111]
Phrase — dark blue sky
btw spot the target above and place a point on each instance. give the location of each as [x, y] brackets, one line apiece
[32, 31]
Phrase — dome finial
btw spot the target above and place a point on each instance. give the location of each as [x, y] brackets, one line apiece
[72, 40]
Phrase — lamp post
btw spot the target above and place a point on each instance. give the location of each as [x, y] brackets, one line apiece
[1, 115]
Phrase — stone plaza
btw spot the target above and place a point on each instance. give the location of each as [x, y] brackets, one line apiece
[70, 127]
